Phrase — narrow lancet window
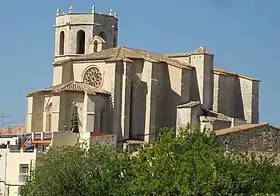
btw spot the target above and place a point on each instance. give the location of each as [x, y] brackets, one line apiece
[103, 35]
[61, 43]
[80, 49]
[95, 46]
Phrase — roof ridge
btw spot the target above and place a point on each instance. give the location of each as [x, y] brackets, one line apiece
[118, 52]
[170, 60]
[62, 87]
[142, 50]
[123, 52]
[72, 86]
[240, 128]
[223, 71]
[178, 54]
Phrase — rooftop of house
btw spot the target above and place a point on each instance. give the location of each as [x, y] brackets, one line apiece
[13, 130]
[240, 128]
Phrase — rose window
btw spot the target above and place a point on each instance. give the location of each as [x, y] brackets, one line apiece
[93, 77]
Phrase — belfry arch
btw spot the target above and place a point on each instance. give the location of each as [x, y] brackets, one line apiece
[80, 48]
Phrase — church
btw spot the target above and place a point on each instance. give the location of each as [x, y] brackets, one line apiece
[99, 86]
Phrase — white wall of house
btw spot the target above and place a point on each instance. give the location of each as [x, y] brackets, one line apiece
[10, 140]
[14, 168]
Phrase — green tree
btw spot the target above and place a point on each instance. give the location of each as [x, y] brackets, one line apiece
[193, 164]
[72, 171]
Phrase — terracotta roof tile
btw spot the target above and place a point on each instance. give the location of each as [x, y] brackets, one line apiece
[182, 54]
[71, 86]
[244, 127]
[200, 50]
[13, 130]
[124, 53]
[128, 54]
[224, 72]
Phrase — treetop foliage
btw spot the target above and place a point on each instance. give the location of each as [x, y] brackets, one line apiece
[191, 163]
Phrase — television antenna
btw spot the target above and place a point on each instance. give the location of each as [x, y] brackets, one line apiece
[2, 120]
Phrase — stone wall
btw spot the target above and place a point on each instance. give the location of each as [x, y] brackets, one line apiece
[91, 23]
[236, 96]
[224, 94]
[255, 102]
[261, 138]
[37, 113]
[221, 124]
[204, 74]
[213, 123]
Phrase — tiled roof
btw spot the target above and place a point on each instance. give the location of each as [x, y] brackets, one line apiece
[13, 130]
[224, 72]
[239, 128]
[128, 54]
[200, 50]
[72, 86]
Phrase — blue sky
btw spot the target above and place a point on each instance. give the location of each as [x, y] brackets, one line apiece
[244, 35]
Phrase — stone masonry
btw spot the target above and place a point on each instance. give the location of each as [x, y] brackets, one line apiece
[101, 87]
[250, 137]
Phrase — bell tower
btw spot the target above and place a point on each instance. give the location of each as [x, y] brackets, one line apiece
[84, 33]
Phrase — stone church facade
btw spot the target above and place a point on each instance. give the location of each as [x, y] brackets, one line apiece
[99, 86]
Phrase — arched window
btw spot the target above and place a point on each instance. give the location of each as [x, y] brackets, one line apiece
[80, 48]
[95, 46]
[75, 120]
[103, 35]
[115, 42]
[61, 43]
[49, 117]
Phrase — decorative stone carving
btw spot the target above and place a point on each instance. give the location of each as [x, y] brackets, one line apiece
[93, 77]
